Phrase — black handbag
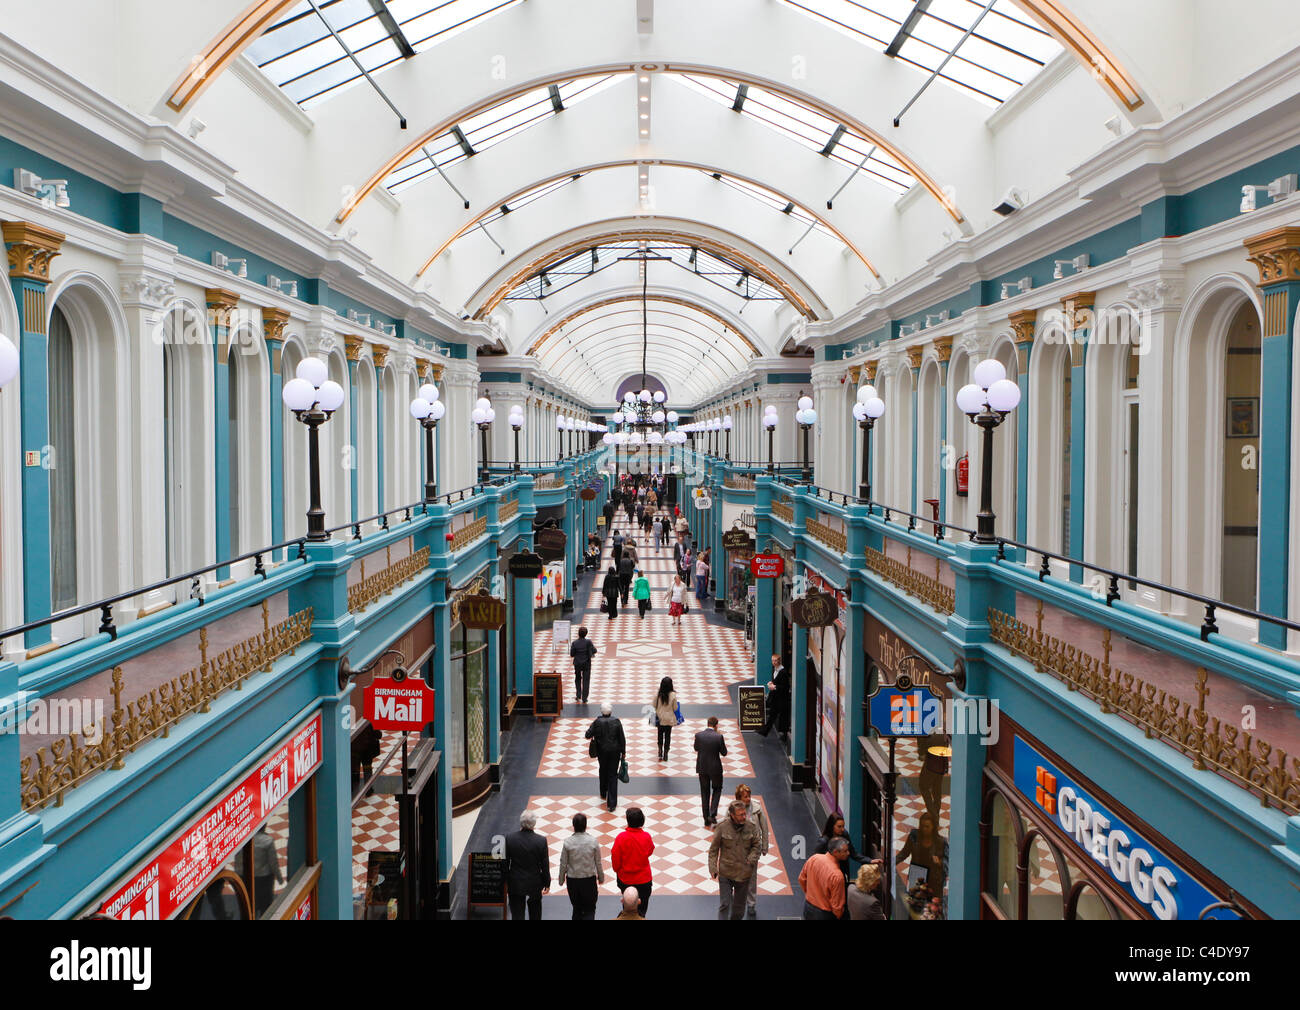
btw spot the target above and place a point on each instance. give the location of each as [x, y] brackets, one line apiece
[591, 750]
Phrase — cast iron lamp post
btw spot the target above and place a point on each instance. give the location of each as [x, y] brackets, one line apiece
[483, 415]
[868, 408]
[726, 426]
[559, 436]
[313, 397]
[806, 417]
[987, 401]
[428, 410]
[769, 422]
[517, 423]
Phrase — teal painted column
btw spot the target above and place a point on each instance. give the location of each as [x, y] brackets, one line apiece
[273, 324]
[1079, 325]
[855, 695]
[334, 629]
[522, 636]
[30, 250]
[435, 538]
[354, 402]
[493, 715]
[380, 355]
[221, 305]
[1275, 254]
[1023, 325]
[801, 747]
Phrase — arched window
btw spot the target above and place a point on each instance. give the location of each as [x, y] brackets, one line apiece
[1001, 881]
[62, 461]
[929, 474]
[1240, 483]
[365, 458]
[1043, 879]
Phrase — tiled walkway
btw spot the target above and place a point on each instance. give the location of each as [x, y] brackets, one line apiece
[546, 765]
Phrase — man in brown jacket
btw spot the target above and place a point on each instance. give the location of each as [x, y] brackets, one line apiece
[733, 860]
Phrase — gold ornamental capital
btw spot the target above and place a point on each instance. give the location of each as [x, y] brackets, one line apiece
[1276, 253]
[914, 357]
[31, 248]
[379, 355]
[942, 348]
[221, 305]
[869, 370]
[1024, 325]
[273, 323]
[353, 347]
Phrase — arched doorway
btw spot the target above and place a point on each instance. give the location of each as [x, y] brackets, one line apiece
[1240, 472]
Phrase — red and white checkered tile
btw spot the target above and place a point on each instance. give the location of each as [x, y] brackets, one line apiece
[680, 864]
[566, 752]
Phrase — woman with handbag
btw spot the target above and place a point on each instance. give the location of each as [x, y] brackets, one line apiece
[676, 600]
[667, 715]
[610, 591]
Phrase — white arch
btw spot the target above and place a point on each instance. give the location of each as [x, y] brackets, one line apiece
[11, 488]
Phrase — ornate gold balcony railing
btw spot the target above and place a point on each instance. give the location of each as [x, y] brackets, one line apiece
[833, 539]
[372, 587]
[783, 512]
[70, 760]
[1238, 756]
[508, 510]
[548, 483]
[468, 533]
[928, 589]
[737, 482]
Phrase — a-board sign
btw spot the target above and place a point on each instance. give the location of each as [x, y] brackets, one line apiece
[753, 707]
[525, 565]
[548, 695]
[384, 873]
[600, 520]
[561, 631]
[483, 611]
[767, 566]
[816, 610]
[550, 543]
[737, 540]
[399, 706]
[487, 880]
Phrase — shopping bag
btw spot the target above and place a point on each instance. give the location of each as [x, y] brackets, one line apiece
[591, 750]
[622, 771]
[603, 607]
[677, 712]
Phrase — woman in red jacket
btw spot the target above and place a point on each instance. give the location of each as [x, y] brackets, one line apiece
[631, 857]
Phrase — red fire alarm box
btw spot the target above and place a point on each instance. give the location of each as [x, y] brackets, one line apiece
[963, 476]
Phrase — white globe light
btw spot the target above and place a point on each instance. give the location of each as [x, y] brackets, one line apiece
[656, 438]
[298, 394]
[798, 416]
[608, 439]
[659, 396]
[644, 396]
[570, 424]
[769, 409]
[482, 403]
[811, 415]
[988, 372]
[672, 417]
[559, 421]
[437, 409]
[875, 407]
[859, 412]
[312, 370]
[478, 415]
[970, 399]
[629, 396]
[769, 421]
[491, 415]
[657, 417]
[1004, 395]
[8, 360]
[429, 392]
[330, 395]
[516, 420]
[517, 408]
[805, 403]
[420, 408]
[726, 423]
[866, 393]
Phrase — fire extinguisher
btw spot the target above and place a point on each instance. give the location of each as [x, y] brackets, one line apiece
[963, 476]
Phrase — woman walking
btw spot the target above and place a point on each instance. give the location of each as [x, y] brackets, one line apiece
[610, 591]
[665, 715]
[702, 577]
[631, 857]
[676, 600]
[641, 593]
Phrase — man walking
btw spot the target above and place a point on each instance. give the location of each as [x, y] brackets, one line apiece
[626, 567]
[529, 864]
[777, 698]
[618, 547]
[606, 733]
[582, 650]
[822, 881]
[607, 510]
[710, 749]
[581, 865]
[733, 860]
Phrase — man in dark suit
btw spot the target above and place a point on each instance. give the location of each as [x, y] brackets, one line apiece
[626, 566]
[608, 512]
[611, 747]
[710, 749]
[778, 698]
[582, 650]
[529, 865]
[618, 547]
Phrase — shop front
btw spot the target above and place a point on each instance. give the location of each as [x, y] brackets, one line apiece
[1055, 845]
[739, 548]
[826, 684]
[249, 853]
[466, 754]
[552, 589]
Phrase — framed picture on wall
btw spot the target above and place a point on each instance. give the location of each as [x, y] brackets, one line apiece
[1243, 417]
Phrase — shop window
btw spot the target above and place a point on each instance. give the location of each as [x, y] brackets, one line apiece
[469, 703]
[1045, 880]
[1086, 903]
[1001, 880]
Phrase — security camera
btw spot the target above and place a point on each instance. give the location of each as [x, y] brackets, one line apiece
[1010, 203]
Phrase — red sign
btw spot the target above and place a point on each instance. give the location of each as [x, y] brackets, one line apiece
[169, 881]
[303, 911]
[399, 705]
[767, 566]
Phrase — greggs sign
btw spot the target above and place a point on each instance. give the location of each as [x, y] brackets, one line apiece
[1163, 888]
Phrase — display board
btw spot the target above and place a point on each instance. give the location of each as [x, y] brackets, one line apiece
[753, 708]
[548, 695]
[487, 881]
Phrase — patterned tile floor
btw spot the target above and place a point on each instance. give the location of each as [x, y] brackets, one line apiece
[566, 754]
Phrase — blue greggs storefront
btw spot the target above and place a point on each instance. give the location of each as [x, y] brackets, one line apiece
[1055, 845]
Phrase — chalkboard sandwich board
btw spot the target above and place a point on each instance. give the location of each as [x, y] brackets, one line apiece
[487, 881]
[548, 695]
[753, 708]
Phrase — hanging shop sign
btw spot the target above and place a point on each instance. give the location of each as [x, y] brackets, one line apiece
[737, 540]
[172, 878]
[587, 493]
[525, 565]
[767, 566]
[911, 710]
[402, 706]
[550, 543]
[1158, 884]
[898, 661]
[483, 611]
[753, 708]
[815, 610]
[701, 498]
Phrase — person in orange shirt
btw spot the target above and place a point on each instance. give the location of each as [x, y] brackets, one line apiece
[822, 882]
